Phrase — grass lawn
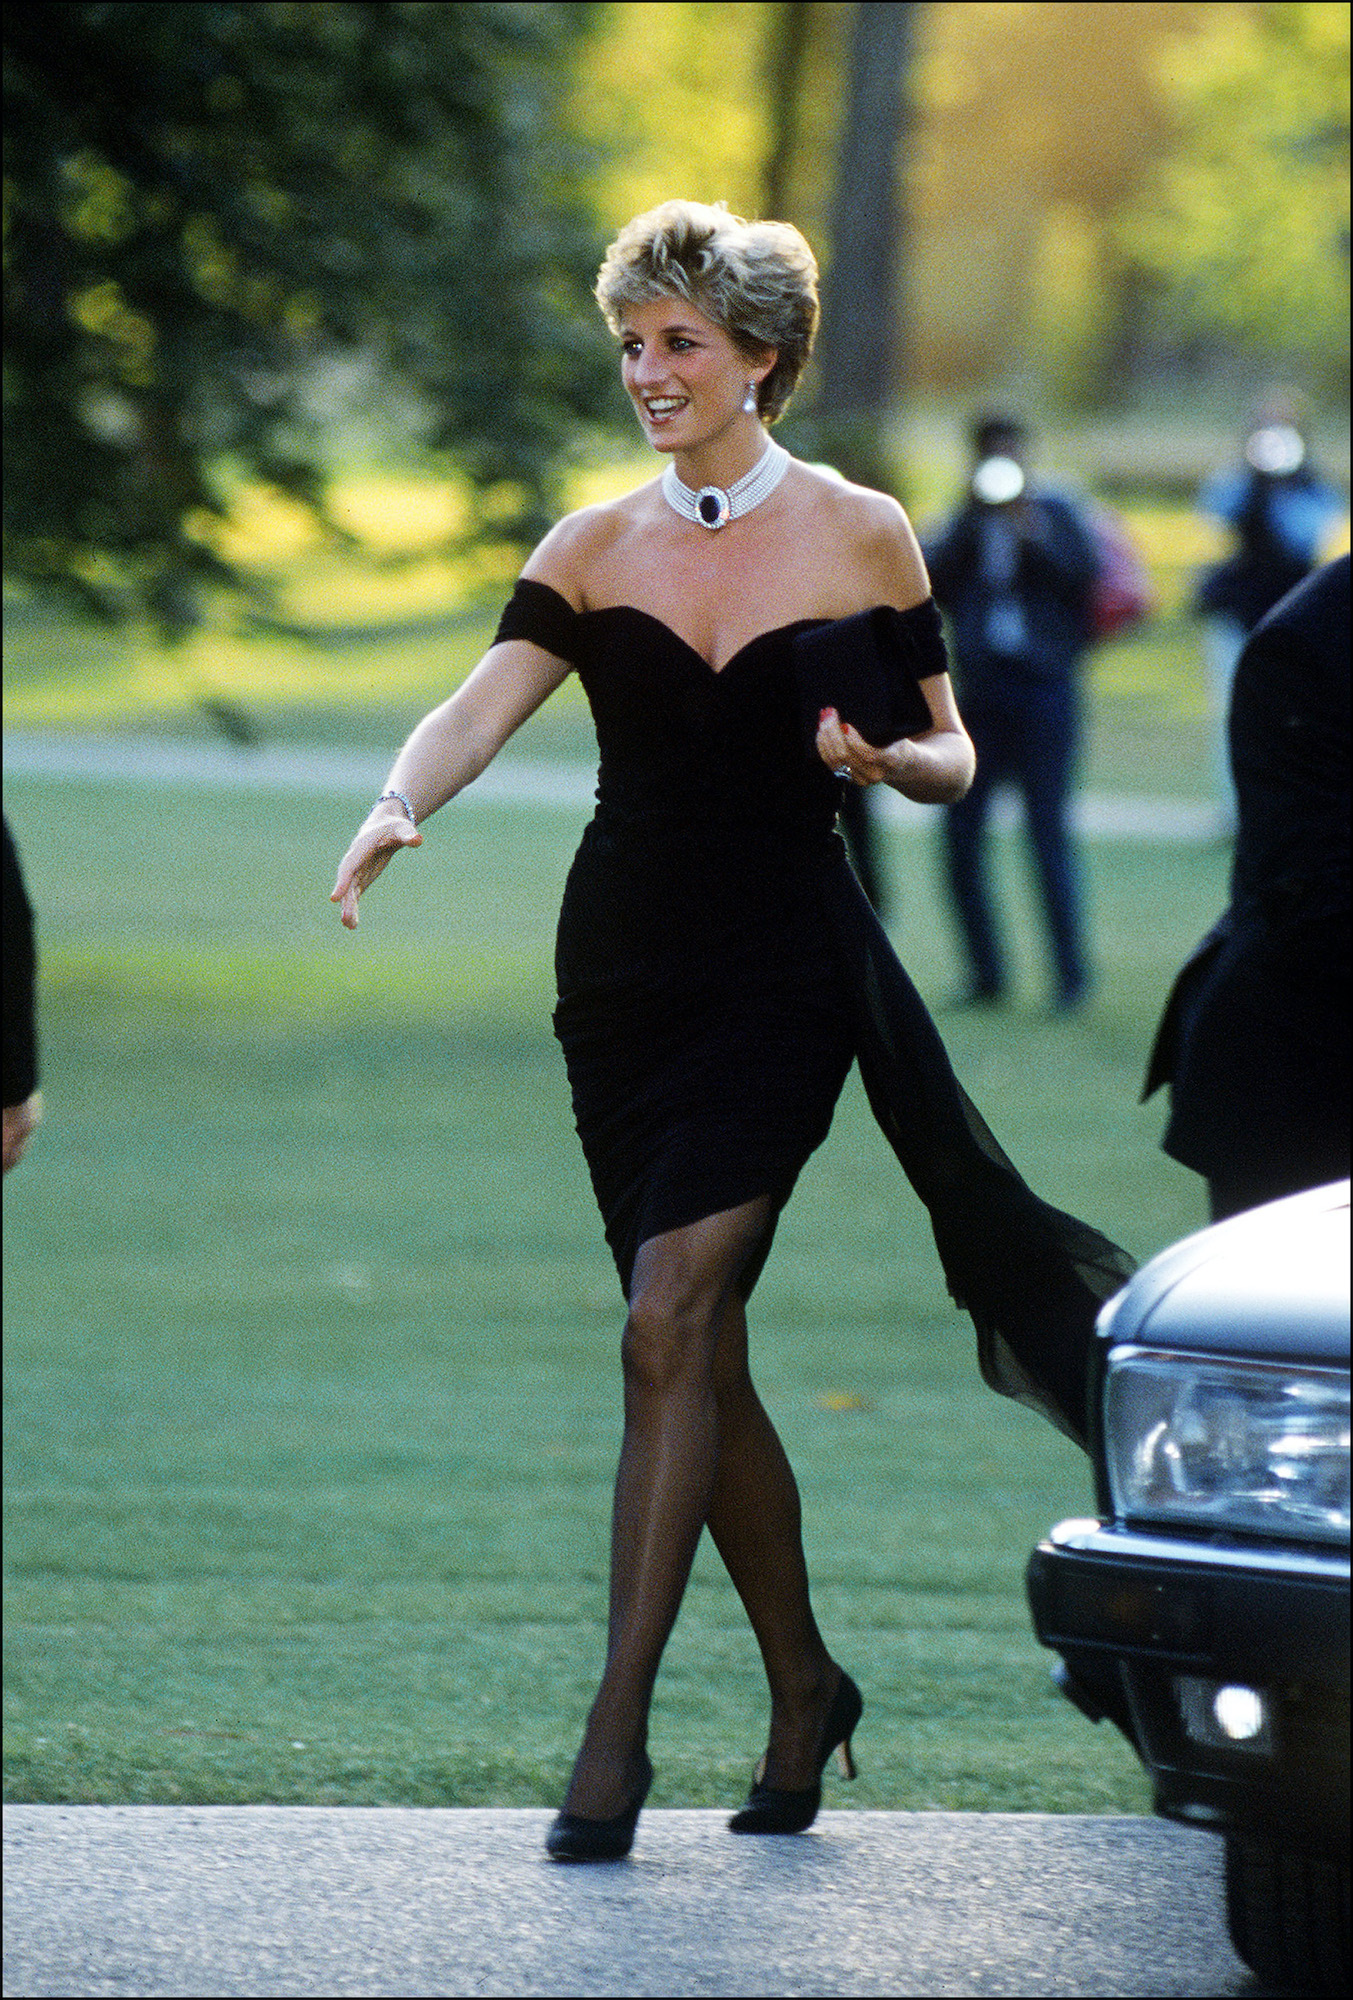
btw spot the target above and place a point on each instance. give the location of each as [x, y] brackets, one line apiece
[311, 1393]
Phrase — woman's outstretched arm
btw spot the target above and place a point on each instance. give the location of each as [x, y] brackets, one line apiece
[445, 753]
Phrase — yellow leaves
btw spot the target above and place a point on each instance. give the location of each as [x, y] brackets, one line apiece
[1071, 300]
[301, 315]
[270, 204]
[98, 207]
[390, 514]
[263, 526]
[672, 98]
[102, 310]
[1246, 220]
[211, 264]
[219, 274]
[97, 308]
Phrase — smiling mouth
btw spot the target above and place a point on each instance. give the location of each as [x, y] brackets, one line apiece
[659, 408]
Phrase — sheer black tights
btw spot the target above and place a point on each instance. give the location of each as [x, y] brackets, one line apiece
[699, 1450]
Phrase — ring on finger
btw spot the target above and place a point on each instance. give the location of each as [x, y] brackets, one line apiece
[842, 771]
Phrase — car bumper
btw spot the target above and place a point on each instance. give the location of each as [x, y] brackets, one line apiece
[1151, 1627]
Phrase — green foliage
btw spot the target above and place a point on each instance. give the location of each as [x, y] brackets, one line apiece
[671, 103]
[1245, 228]
[206, 205]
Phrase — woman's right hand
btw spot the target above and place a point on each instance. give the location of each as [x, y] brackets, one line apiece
[377, 840]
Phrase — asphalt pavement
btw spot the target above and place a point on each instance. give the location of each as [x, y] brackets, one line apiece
[283, 1900]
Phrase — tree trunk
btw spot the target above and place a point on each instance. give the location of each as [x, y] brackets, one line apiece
[786, 48]
[860, 334]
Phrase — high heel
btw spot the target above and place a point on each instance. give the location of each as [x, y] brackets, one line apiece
[771, 1811]
[573, 1838]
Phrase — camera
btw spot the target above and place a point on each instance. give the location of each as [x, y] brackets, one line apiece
[997, 481]
[1275, 450]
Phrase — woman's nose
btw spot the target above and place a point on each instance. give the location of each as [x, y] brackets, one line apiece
[647, 367]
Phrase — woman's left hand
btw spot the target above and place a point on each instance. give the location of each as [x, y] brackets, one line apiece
[847, 755]
[935, 769]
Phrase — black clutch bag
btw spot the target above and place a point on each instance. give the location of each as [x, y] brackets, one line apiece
[867, 668]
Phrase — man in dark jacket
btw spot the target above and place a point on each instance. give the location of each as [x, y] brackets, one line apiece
[1254, 1040]
[23, 1102]
[1281, 513]
[1013, 570]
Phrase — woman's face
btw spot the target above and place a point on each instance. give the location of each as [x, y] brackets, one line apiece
[685, 375]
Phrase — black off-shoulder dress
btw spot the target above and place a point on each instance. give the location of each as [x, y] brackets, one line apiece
[719, 969]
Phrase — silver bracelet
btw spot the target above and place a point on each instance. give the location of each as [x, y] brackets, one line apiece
[393, 794]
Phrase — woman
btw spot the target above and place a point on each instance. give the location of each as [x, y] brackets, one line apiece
[718, 968]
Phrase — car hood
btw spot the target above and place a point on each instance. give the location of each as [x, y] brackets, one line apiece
[1271, 1283]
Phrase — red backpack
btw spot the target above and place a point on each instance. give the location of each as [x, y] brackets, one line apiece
[1121, 596]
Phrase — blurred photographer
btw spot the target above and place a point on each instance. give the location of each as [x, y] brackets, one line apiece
[1013, 569]
[1283, 516]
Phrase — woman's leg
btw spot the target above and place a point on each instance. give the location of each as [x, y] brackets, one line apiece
[682, 1284]
[756, 1524]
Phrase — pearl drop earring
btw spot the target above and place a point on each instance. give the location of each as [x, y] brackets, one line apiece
[749, 400]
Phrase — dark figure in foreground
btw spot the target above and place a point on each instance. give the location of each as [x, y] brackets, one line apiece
[23, 1099]
[1281, 513]
[1014, 569]
[1254, 1039]
[719, 968]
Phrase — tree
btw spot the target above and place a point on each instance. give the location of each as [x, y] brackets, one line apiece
[788, 30]
[671, 99]
[1034, 125]
[202, 201]
[1245, 226]
[857, 346]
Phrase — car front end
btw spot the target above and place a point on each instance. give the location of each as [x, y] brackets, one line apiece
[1205, 1610]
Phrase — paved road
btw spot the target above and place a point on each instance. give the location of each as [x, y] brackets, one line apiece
[510, 780]
[283, 1900]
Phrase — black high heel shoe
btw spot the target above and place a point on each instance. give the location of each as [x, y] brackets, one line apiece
[573, 1838]
[769, 1811]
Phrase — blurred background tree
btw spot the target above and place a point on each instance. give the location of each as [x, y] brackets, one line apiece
[860, 349]
[1086, 200]
[215, 213]
[1243, 224]
[206, 204]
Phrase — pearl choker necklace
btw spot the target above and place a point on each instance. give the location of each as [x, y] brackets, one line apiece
[712, 507]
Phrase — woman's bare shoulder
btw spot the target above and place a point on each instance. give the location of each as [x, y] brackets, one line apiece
[871, 537]
[576, 546]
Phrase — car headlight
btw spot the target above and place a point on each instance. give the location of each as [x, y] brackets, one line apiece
[1227, 1444]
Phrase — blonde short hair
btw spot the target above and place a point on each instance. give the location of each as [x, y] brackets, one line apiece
[757, 280]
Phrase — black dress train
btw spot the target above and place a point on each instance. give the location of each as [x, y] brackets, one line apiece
[719, 968]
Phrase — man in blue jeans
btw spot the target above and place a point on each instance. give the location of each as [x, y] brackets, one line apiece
[1013, 570]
